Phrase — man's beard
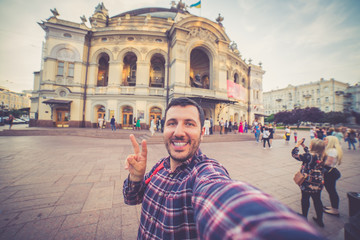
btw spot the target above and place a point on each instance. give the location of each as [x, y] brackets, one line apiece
[192, 150]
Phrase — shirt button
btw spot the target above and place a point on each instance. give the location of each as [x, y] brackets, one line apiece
[151, 219]
[171, 175]
[160, 194]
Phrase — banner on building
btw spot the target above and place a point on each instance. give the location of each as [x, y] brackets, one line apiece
[236, 91]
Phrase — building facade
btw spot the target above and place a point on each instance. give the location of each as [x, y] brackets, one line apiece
[352, 98]
[10, 100]
[327, 95]
[132, 64]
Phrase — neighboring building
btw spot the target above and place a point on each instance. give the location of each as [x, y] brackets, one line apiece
[131, 65]
[327, 95]
[12, 101]
[352, 98]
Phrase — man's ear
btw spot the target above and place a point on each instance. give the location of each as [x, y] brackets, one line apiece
[202, 133]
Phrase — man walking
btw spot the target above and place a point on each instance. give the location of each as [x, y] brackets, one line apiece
[113, 124]
[187, 195]
[211, 125]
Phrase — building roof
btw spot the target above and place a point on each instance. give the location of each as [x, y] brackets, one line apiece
[153, 12]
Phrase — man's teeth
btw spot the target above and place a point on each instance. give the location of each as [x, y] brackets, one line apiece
[179, 144]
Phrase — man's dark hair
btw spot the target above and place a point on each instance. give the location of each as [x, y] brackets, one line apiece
[183, 101]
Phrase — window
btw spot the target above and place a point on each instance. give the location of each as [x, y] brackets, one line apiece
[60, 71]
[71, 69]
[327, 99]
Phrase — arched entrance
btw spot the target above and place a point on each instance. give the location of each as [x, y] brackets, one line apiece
[99, 114]
[155, 113]
[62, 117]
[127, 117]
[199, 69]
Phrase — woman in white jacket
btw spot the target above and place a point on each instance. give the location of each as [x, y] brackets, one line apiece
[332, 174]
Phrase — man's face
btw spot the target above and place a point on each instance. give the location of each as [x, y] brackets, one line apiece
[182, 132]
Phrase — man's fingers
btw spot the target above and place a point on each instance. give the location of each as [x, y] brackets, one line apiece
[135, 144]
[144, 149]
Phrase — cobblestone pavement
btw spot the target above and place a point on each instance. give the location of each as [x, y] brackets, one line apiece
[70, 187]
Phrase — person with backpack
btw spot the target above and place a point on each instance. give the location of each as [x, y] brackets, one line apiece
[266, 136]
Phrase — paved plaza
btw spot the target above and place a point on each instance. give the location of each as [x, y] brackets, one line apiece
[70, 187]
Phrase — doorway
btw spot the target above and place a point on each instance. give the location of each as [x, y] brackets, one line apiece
[127, 117]
[62, 118]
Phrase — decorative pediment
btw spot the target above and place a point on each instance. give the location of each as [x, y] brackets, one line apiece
[201, 33]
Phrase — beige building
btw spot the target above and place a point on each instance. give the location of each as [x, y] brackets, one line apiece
[327, 95]
[132, 64]
[11, 100]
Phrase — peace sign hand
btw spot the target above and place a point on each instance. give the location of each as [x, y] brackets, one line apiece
[136, 163]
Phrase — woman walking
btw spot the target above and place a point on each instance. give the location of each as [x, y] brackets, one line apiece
[334, 155]
[313, 168]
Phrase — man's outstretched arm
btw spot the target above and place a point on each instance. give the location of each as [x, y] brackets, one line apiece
[227, 209]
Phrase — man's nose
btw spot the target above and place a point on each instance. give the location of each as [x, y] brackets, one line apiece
[179, 130]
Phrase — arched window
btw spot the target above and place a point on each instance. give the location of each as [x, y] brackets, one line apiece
[199, 69]
[157, 71]
[236, 78]
[129, 70]
[103, 70]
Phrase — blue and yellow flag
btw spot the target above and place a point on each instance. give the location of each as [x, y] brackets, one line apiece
[197, 5]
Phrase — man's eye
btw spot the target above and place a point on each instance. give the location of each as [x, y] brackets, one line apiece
[190, 124]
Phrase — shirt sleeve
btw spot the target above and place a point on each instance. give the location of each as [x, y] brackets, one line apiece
[134, 191]
[227, 209]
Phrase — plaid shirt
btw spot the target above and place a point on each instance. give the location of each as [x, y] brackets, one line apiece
[200, 201]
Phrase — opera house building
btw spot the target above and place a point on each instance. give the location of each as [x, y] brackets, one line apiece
[132, 64]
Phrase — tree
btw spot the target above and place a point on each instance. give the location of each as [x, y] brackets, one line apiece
[313, 114]
[270, 118]
[283, 117]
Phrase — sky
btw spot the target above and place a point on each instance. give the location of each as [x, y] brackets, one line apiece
[297, 41]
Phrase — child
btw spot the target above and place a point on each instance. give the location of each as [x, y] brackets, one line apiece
[295, 136]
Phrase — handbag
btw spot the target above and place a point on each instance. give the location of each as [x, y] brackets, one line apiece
[299, 178]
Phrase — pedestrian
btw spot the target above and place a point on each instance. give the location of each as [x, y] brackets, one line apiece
[101, 122]
[211, 126]
[334, 156]
[158, 124]
[207, 126]
[271, 137]
[313, 168]
[113, 124]
[241, 127]
[221, 124]
[162, 124]
[351, 139]
[138, 125]
[187, 195]
[235, 127]
[226, 126]
[11, 121]
[246, 127]
[230, 126]
[152, 126]
[265, 136]
[338, 134]
[295, 136]
[257, 132]
[287, 134]
[312, 133]
[134, 124]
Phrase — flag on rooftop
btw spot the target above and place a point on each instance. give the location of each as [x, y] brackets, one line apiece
[197, 4]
